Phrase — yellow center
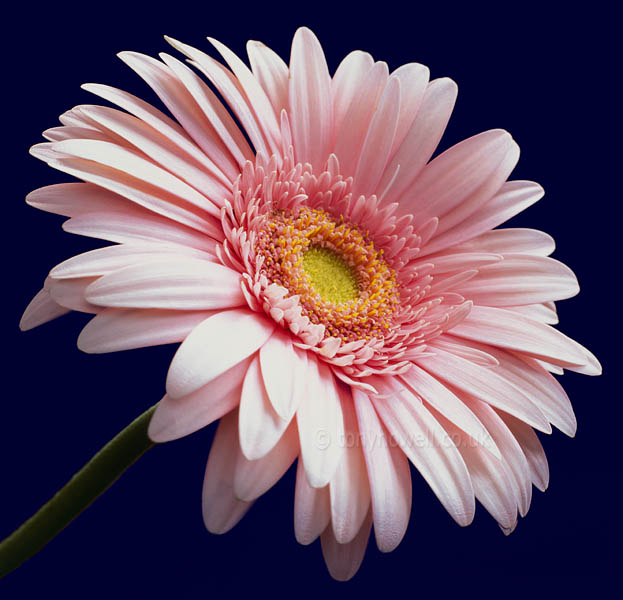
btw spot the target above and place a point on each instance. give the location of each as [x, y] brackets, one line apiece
[331, 277]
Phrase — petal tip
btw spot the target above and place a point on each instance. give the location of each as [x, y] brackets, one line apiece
[25, 324]
[155, 430]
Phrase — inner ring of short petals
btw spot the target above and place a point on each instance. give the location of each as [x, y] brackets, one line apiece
[339, 276]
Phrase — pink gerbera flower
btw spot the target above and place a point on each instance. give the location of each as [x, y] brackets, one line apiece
[341, 300]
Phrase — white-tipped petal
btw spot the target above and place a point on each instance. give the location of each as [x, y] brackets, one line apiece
[260, 426]
[179, 283]
[349, 487]
[214, 346]
[115, 329]
[176, 417]
[321, 425]
[312, 510]
[282, 372]
[254, 477]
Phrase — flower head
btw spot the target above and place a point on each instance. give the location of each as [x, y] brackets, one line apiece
[341, 299]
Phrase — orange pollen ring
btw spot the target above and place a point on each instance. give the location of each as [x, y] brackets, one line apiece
[283, 243]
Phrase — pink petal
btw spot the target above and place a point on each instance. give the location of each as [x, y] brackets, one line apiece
[511, 199]
[75, 199]
[509, 241]
[389, 475]
[115, 329]
[230, 89]
[137, 191]
[257, 98]
[45, 152]
[75, 118]
[344, 560]
[132, 225]
[271, 72]
[462, 178]
[450, 263]
[41, 309]
[413, 83]
[457, 209]
[544, 312]
[542, 388]
[510, 330]
[321, 425]
[312, 510]
[177, 417]
[180, 283]
[175, 134]
[224, 125]
[451, 282]
[422, 138]
[459, 347]
[446, 403]
[521, 279]
[112, 258]
[532, 449]
[183, 107]
[311, 104]
[259, 425]
[221, 509]
[485, 384]
[58, 134]
[254, 477]
[214, 346]
[349, 488]
[430, 449]
[591, 365]
[379, 140]
[490, 477]
[130, 163]
[353, 383]
[357, 118]
[160, 150]
[283, 372]
[511, 451]
[551, 368]
[346, 84]
[70, 293]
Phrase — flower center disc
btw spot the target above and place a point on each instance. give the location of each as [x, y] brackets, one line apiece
[331, 277]
[339, 277]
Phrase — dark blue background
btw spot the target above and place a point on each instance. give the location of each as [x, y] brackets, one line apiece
[546, 76]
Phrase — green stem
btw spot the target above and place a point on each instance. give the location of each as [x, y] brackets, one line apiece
[84, 487]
